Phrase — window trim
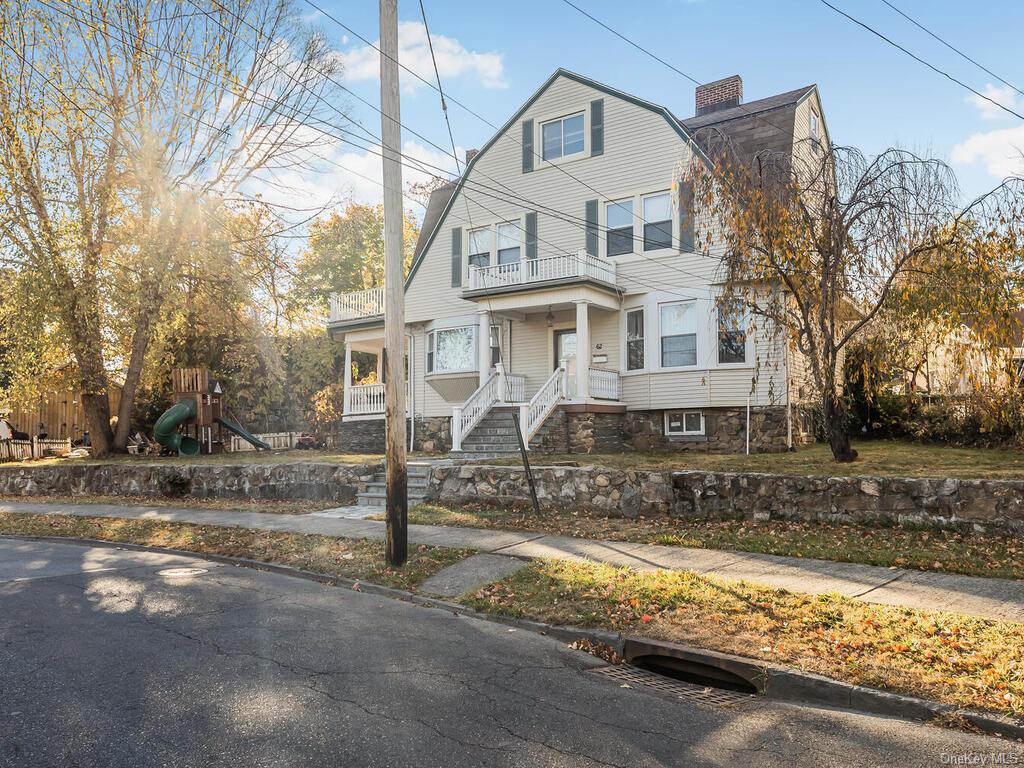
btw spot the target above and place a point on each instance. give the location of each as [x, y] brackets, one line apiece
[642, 339]
[430, 362]
[608, 229]
[645, 222]
[684, 432]
[661, 337]
[540, 122]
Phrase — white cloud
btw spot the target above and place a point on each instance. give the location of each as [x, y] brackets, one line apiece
[453, 60]
[1004, 95]
[1000, 151]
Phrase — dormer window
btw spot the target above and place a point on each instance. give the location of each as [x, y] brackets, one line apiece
[562, 137]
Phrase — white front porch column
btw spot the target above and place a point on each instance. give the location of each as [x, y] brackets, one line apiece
[483, 343]
[347, 379]
[582, 350]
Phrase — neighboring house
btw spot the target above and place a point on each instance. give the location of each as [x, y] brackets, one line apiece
[558, 277]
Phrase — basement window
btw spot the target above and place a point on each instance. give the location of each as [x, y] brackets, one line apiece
[684, 422]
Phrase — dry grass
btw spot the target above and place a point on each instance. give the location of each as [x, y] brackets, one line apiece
[959, 660]
[350, 558]
[270, 506]
[976, 554]
[240, 457]
[888, 458]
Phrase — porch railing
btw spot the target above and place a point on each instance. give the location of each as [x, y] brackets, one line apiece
[604, 384]
[469, 414]
[552, 392]
[515, 388]
[356, 304]
[566, 266]
[365, 398]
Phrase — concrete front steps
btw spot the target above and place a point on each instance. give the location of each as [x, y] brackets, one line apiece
[375, 493]
[493, 438]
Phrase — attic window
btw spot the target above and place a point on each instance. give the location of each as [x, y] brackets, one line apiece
[562, 137]
[815, 129]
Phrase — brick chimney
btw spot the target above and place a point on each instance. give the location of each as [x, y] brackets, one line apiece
[721, 94]
[470, 154]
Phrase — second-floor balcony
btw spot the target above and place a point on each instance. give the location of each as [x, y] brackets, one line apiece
[356, 305]
[565, 268]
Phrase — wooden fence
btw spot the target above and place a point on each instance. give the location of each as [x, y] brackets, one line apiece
[276, 440]
[17, 450]
[60, 413]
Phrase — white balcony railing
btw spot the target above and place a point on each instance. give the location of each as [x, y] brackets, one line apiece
[357, 304]
[579, 265]
[366, 398]
[604, 385]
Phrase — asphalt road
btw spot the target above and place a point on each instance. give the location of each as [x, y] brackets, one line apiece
[106, 662]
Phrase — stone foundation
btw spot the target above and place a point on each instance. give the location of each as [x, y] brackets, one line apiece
[361, 436]
[725, 431]
[433, 434]
[312, 481]
[573, 431]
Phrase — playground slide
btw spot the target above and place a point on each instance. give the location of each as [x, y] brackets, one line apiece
[165, 431]
[243, 433]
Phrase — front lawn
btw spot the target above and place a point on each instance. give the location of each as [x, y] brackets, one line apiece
[889, 458]
[350, 558]
[976, 554]
[958, 660]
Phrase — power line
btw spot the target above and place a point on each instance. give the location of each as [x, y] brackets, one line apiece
[953, 48]
[918, 59]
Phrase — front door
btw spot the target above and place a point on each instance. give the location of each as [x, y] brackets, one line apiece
[565, 349]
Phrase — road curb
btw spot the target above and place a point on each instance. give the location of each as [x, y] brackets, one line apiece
[773, 681]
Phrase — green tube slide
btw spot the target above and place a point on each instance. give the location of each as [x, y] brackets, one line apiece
[245, 434]
[166, 433]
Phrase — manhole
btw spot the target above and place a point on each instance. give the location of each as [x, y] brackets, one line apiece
[630, 675]
[181, 573]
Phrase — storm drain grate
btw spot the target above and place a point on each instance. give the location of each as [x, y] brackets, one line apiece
[629, 675]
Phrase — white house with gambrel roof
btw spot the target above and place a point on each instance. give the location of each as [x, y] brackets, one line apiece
[557, 279]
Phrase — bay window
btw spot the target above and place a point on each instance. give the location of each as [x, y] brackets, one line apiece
[678, 334]
[452, 350]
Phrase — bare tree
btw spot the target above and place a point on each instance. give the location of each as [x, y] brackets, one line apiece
[817, 241]
[128, 128]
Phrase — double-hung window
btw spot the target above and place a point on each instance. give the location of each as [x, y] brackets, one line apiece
[619, 225]
[732, 333]
[635, 340]
[657, 221]
[495, 345]
[451, 349]
[815, 129]
[508, 242]
[480, 247]
[562, 137]
[678, 334]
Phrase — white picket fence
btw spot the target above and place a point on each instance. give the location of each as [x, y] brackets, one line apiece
[17, 450]
[279, 441]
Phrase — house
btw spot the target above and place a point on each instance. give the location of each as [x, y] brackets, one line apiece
[558, 279]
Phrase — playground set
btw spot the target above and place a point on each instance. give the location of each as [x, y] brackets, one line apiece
[195, 423]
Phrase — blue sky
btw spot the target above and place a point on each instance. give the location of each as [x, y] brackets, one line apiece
[494, 55]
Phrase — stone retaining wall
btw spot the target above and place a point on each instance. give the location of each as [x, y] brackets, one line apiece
[699, 495]
[312, 481]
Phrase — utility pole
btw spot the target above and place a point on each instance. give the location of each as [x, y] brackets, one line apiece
[396, 548]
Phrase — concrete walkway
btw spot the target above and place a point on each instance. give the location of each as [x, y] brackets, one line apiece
[969, 595]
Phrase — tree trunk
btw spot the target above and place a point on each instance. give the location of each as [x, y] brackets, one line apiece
[136, 361]
[836, 423]
[97, 415]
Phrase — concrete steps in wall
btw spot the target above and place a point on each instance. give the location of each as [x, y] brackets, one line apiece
[375, 494]
[493, 438]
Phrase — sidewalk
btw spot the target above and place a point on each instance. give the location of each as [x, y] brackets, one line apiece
[969, 595]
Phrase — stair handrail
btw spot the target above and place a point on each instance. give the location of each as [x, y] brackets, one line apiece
[477, 405]
[533, 414]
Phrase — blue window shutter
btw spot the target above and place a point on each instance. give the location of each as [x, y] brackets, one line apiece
[597, 127]
[527, 146]
[531, 235]
[686, 236]
[457, 257]
[592, 238]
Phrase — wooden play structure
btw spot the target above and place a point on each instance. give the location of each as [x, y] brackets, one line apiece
[195, 423]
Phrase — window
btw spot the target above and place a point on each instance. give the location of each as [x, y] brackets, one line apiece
[480, 247]
[635, 340]
[732, 333]
[678, 335]
[562, 137]
[508, 243]
[684, 422]
[451, 349]
[815, 129]
[619, 222]
[495, 345]
[657, 222]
